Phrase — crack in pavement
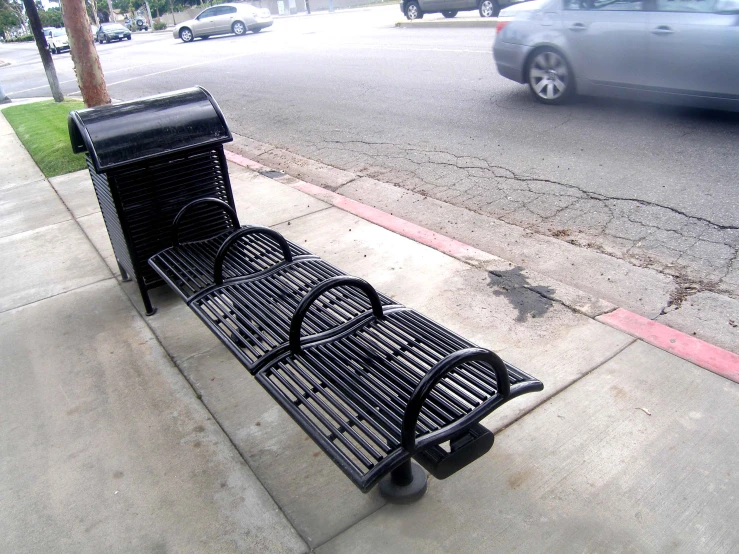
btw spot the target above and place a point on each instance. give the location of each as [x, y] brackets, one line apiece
[642, 232]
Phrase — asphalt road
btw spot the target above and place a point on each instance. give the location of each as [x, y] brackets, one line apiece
[425, 109]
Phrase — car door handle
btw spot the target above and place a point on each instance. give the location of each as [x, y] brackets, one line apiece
[577, 27]
[662, 30]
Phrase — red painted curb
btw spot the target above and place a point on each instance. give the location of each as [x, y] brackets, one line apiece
[241, 160]
[708, 356]
[701, 353]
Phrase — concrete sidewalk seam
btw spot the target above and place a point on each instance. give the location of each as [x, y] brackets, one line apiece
[29, 231]
[57, 293]
[460, 251]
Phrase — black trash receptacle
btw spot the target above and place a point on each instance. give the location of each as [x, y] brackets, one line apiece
[147, 159]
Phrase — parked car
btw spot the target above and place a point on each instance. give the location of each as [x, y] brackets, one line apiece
[112, 31]
[224, 19]
[58, 41]
[684, 51]
[415, 9]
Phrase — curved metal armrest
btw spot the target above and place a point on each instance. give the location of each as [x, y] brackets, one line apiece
[318, 290]
[235, 236]
[436, 374]
[178, 218]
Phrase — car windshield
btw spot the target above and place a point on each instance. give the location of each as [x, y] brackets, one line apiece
[114, 27]
[58, 33]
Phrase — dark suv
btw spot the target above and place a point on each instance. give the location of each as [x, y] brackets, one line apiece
[414, 9]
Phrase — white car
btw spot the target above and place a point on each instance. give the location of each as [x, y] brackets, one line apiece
[58, 41]
[224, 19]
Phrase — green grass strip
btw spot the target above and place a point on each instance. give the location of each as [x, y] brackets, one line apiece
[42, 128]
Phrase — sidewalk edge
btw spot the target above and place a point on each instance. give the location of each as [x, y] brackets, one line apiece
[701, 353]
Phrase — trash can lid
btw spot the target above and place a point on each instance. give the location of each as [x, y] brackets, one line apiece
[117, 135]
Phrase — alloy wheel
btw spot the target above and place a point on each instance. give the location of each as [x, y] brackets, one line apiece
[412, 12]
[486, 8]
[549, 76]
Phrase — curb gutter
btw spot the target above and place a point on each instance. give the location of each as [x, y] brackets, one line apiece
[491, 22]
[699, 352]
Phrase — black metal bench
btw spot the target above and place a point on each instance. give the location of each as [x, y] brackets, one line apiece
[372, 382]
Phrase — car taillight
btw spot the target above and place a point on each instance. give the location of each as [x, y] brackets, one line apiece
[501, 25]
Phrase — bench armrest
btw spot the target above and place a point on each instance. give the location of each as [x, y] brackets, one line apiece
[318, 290]
[436, 374]
[235, 236]
[200, 201]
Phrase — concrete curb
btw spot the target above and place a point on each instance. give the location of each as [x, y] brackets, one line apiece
[491, 22]
[701, 353]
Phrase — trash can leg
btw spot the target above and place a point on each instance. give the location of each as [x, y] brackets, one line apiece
[405, 484]
[150, 310]
[125, 277]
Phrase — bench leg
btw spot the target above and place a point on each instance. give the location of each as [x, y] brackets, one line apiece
[405, 484]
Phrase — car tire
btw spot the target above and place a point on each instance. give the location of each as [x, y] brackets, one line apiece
[186, 34]
[129, 37]
[238, 28]
[413, 11]
[489, 8]
[450, 13]
[550, 76]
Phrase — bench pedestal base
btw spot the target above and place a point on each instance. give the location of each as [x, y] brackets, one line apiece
[405, 484]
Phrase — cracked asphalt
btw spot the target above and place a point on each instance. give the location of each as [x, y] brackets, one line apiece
[425, 109]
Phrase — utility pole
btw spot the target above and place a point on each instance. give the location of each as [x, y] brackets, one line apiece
[90, 76]
[148, 12]
[43, 49]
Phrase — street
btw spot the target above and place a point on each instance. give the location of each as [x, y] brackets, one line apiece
[425, 109]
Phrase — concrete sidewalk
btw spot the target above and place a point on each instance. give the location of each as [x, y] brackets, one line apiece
[129, 433]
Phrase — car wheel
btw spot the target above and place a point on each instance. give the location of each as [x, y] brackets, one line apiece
[238, 28]
[413, 11]
[129, 37]
[450, 13]
[489, 8]
[550, 78]
[52, 50]
[186, 35]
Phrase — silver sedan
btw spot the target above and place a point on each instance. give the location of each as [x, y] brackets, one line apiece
[684, 51]
[224, 19]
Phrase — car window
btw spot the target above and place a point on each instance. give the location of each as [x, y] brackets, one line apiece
[727, 6]
[210, 12]
[604, 5]
[227, 9]
[58, 33]
[696, 6]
